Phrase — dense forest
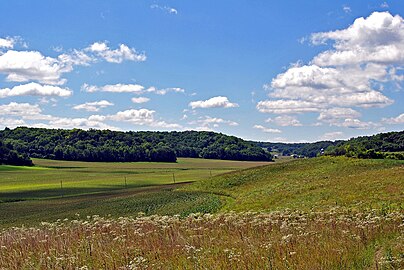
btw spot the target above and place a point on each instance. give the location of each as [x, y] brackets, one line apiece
[300, 149]
[11, 157]
[106, 145]
[383, 145]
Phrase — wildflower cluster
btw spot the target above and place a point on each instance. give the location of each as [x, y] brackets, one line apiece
[336, 239]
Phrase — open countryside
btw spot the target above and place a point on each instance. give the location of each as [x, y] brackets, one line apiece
[202, 135]
[293, 213]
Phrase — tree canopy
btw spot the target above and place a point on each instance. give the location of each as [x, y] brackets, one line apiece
[106, 145]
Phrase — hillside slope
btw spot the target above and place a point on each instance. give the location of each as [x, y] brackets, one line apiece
[319, 183]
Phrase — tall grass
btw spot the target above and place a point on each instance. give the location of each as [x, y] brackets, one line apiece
[335, 239]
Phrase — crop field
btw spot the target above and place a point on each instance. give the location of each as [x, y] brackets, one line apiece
[57, 189]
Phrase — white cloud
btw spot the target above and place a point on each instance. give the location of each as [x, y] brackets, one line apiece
[21, 66]
[166, 90]
[215, 102]
[7, 42]
[75, 57]
[118, 55]
[332, 136]
[23, 112]
[139, 100]
[394, 120]
[355, 124]
[167, 9]
[142, 117]
[139, 117]
[346, 9]
[333, 114]
[348, 86]
[267, 130]
[286, 106]
[285, 121]
[208, 121]
[93, 106]
[82, 123]
[378, 38]
[34, 89]
[114, 88]
[365, 56]
[11, 122]
[19, 109]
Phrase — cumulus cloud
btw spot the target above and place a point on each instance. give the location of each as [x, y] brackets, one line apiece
[11, 123]
[118, 55]
[285, 121]
[349, 86]
[286, 106]
[22, 66]
[142, 117]
[139, 100]
[330, 115]
[19, 109]
[365, 56]
[7, 42]
[215, 102]
[207, 122]
[114, 88]
[139, 117]
[267, 130]
[34, 89]
[378, 38]
[15, 114]
[394, 120]
[93, 106]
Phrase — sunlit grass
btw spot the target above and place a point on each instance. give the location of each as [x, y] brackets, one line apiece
[335, 239]
[309, 184]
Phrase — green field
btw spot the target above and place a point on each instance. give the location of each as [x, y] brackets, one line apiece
[320, 213]
[58, 189]
[312, 184]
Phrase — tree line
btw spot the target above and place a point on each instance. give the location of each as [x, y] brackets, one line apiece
[300, 149]
[384, 145]
[116, 146]
[11, 157]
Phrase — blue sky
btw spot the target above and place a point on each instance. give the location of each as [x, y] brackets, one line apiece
[262, 70]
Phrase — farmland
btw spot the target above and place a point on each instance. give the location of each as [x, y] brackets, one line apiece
[58, 189]
[322, 213]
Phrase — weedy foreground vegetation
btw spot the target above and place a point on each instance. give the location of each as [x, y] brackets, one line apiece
[323, 213]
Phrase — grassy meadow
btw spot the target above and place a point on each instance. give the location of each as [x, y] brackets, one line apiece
[321, 213]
